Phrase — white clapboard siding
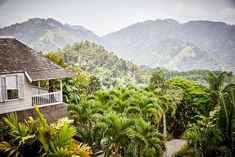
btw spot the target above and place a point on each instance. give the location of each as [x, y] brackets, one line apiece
[25, 101]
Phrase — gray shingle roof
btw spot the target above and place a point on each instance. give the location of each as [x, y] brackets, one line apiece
[17, 57]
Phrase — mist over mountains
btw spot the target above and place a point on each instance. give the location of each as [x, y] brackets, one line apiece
[165, 43]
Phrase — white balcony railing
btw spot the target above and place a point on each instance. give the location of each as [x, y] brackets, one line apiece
[41, 97]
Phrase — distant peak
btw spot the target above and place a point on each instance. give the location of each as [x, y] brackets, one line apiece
[76, 27]
[52, 20]
[173, 21]
[43, 20]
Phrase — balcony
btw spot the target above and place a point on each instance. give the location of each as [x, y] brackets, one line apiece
[41, 96]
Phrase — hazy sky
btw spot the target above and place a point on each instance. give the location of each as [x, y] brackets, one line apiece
[105, 16]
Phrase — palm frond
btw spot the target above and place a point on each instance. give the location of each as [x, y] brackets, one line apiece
[64, 136]
[6, 148]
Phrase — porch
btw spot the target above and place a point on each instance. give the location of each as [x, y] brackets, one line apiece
[44, 96]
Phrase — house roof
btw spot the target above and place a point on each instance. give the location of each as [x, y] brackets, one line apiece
[17, 57]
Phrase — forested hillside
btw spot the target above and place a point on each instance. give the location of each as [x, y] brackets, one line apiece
[180, 46]
[112, 70]
[48, 34]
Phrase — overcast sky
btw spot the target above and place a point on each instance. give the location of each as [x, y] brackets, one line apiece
[105, 16]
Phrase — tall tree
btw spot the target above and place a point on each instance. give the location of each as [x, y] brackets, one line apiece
[216, 82]
[157, 78]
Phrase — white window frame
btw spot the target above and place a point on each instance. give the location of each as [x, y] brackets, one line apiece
[18, 87]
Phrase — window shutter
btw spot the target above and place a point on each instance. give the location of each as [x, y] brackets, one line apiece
[3, 89]
[20, 80]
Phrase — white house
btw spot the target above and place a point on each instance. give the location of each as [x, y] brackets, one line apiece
[20, 66]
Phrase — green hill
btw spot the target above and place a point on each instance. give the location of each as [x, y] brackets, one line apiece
[111, 70]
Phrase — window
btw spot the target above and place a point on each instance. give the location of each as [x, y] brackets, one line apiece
[12, 87]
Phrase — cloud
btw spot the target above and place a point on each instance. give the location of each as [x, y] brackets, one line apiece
[3, 8]
[2, 2]
[228, 12]
[181, 11]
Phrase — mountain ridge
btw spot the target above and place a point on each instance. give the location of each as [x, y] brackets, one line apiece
[215, 38]
[198, 44]
[48, 34]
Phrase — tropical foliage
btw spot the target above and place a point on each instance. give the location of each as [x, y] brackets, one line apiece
[35, 137]
[111, 70]
[74, 88]
[121, 121]
[93, 59]
[214, 135]
[192, 106]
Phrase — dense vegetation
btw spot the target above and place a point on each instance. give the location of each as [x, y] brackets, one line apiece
[168, 102]
[120, 109]
[214, 134]
[194, 102]
[37, 138]
[93, 59]
[111, 70]
[126, 119]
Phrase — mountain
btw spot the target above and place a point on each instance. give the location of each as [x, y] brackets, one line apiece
[167, 43]
[93, 59]
[48, 34]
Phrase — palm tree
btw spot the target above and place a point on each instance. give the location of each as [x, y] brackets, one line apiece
[111, 116]
[86, 117]
[81, 114]
[226, 116]
[160, 88]
[163, 101]
[215, 86]
[204, 142]
[154, 141]
[118, 135]
[147, 105]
